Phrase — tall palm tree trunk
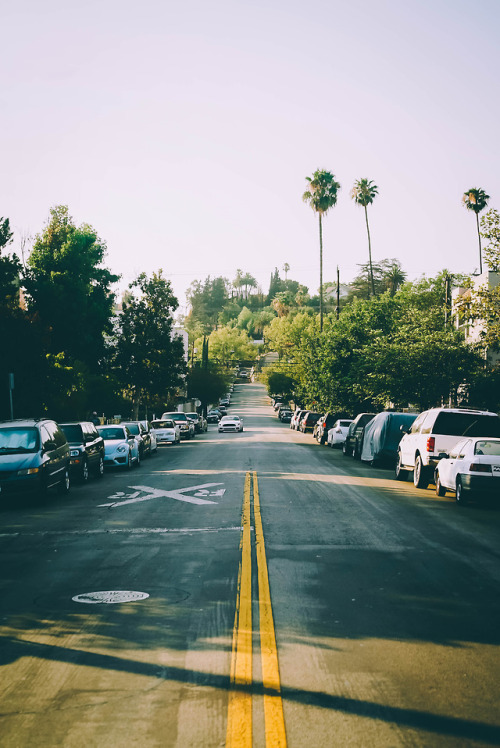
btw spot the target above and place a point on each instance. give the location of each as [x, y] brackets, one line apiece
[480, 254]
[320, 274]
[370, 251]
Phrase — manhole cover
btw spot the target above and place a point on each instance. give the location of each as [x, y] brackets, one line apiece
[110, 596]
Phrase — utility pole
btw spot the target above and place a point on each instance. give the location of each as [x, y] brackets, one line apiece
[446, 301]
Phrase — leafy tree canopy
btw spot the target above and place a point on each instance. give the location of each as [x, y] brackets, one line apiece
[69, 288]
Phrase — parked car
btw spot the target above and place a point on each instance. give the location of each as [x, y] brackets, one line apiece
[382, 436]
[143, 436]
[230, 423]
[224, 401]
[200, 423]
[86, 449]
[307, 421]
[295, 420]
[436, 431]
[285, 415]
[338, 432]
[167, 432]
[214, 415]
[323, 426]
[472, 468]
[354, 437]
[34, 456]
[121, 447]
[186, 426]
[152, 434]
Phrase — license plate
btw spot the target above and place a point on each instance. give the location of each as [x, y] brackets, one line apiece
[496, 470]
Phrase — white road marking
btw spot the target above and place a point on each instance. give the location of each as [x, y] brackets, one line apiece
[121, 531]
[177, 494]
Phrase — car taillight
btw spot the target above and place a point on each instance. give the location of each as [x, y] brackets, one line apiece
[479, 467]
[431, 443]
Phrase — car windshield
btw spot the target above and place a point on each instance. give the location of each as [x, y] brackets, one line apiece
[490, 448]
[112, 432]
[19, 439]
[163, 424]
[133, 428]
[178, 416]
[344, 424]
[466, 424]
[72, 432]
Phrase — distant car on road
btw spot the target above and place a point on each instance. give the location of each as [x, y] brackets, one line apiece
[285, 415]
[86, 449]
[34, 456]
[472, 469]
[121, 448]
[230, 423]
[214, 415]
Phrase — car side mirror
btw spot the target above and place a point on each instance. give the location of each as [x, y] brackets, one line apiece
[404, 429]
[443, 455]
[48, 446]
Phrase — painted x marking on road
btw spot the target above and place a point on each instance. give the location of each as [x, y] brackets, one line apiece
[177, 494]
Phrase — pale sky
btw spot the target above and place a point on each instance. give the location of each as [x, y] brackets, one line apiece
[183, 132]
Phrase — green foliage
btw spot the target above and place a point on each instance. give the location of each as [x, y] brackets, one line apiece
[323, 191]
[207, 300]
[69, 289]
[388, 275]
[230, 344]
[490, 225]
[5, 233]
[149, 361]
[382, 350]
[279, 383]
[207, 384]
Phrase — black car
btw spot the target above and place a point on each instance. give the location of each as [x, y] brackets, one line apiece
[34, 456]
[138, 430]
[354, 439]
[86, 449]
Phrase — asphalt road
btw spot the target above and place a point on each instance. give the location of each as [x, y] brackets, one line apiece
[294, 597]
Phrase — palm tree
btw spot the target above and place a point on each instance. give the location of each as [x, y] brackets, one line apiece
[321, 196]
[476, 200]
[364, 193]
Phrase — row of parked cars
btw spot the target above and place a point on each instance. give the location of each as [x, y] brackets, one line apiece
[38, 454]
[456, 449]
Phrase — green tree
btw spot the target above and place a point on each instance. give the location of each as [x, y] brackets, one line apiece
[5, 233]
[364, 193]
[68, 287]
[321, 196]
[476, 200]
[149, 358]
[490, 230]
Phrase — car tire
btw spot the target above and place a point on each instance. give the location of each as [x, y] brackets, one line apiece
[84, 474]
[65, 483]
[345, 450]
[129, 461]
[461, 495]
[99, 472]
[440, 490]
[401, 473]
[138, 461]
[420, 474]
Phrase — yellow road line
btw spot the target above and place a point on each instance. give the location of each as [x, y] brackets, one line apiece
[239, 719]
[273, 704]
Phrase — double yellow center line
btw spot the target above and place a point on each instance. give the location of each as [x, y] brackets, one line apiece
[239, 723]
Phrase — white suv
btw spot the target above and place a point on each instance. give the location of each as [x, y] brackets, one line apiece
[434, 433]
